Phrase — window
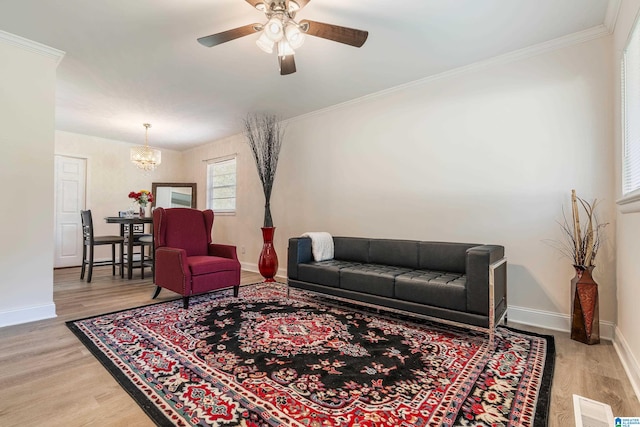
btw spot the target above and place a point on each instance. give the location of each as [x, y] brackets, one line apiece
[631, 114]
[221, 185]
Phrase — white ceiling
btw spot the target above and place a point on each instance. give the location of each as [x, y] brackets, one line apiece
[130, 62]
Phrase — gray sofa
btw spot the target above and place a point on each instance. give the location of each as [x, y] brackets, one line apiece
[448, 281]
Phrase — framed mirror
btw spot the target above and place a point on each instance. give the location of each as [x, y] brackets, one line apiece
[174, 194]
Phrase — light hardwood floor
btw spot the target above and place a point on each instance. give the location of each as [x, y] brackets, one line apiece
[48, 378]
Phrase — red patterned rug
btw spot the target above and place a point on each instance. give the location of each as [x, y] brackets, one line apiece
[267, 360]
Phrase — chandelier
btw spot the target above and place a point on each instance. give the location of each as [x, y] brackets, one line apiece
[145, 157]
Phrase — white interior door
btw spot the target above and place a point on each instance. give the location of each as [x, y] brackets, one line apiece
[70, 185]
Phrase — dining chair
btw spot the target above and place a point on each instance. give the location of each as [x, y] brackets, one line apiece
[90, 241]
[146, 240]
[142, 240]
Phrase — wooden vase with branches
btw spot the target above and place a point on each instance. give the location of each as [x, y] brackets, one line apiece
[264, 133]
[582, 246]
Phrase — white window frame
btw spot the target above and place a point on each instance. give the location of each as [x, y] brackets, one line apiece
[630, 91]
[211, 189]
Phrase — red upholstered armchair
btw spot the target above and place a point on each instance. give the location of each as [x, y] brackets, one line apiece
[186, 261]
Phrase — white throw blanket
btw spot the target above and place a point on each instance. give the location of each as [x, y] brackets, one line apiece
[321, 245]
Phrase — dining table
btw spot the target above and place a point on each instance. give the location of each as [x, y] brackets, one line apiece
[131, 222]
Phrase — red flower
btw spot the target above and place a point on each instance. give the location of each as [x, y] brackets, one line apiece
[143, 196]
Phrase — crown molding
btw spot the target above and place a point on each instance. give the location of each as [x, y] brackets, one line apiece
[31, 46]
[516, 55]
[611, 17]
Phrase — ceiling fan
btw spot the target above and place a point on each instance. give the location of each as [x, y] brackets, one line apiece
[282, 31]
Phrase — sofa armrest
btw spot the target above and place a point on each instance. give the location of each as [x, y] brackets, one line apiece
[299, 252]
[223, 251]
[479, 261]
[172, 270]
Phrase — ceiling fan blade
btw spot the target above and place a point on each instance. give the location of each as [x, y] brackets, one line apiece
[225, 36]
[287, 64]
[339, 34]
[302, 3]
[254, 3]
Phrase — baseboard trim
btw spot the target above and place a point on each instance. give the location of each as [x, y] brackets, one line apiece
[553, 321]
[27, 314]
[281, 275]
[628, 360]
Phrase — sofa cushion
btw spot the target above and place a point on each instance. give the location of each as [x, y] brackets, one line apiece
[444, 256]
[403, 253]
[436, 288]
[371, 278]
[324, 272]
[210, 264]
[354, 249]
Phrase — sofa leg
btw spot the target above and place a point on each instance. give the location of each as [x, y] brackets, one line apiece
[236, 288]
[156, 292]
[185, 302]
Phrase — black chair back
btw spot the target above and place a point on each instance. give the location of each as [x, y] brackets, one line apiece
[87, 227]
[89, 241]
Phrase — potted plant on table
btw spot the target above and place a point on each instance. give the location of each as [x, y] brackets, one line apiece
[264, 134]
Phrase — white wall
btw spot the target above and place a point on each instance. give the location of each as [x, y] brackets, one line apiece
[489, 155]
[27, 112]
[628, 229]
[111, 176]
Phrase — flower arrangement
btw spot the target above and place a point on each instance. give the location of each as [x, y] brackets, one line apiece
[142, 197]
[581, 245]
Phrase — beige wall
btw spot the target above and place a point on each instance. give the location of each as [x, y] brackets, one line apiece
[628, 228]
[27, 112]
[111, 176]
[489, 155]
[243, 228]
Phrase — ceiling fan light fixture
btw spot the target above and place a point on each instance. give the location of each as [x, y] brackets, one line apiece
[294, 36]
[284, 48]
[273, 29]
[265, 43]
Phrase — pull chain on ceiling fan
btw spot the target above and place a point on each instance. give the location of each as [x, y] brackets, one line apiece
[284, 33]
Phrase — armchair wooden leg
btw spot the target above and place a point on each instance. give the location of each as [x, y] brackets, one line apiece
[235, 290]
[185, 302]
[156, 292]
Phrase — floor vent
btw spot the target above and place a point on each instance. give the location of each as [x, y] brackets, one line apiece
[591, 413]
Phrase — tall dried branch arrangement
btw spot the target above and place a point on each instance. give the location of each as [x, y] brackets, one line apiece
[580, 245]
[264, 134]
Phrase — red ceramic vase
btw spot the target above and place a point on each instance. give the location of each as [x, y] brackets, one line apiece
[268, 261]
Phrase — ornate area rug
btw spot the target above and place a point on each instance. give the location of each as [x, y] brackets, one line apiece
[267, 360]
